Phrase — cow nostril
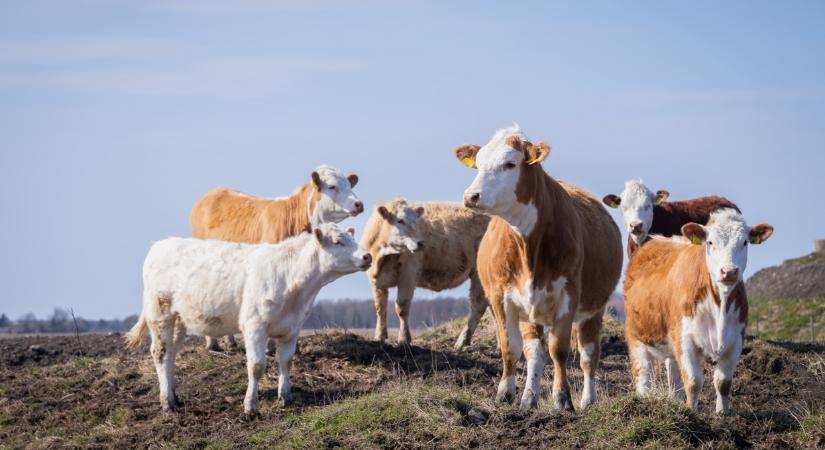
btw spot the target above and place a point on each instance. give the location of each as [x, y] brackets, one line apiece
[420, 244]
[367, 257]
[359, 206]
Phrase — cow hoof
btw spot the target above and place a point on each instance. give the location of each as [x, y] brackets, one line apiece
[562, 402]
[505, 397]
[462, 342]
[286, 400]
[529, 403]
[250, 414]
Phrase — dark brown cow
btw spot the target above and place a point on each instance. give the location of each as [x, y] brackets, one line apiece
[646, 214]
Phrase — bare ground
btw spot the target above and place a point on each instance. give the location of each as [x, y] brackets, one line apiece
[355, 393]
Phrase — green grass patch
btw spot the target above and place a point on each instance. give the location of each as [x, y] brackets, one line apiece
[787, 319]
[395, 417]
[84, 361]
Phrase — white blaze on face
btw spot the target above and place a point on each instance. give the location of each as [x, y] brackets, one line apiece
[344, 254]
[337, 200]
[499, 167]
[637, 209]
[726, 248]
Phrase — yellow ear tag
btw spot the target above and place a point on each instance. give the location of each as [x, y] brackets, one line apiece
[695, 240]
[755, 240]
[535, 161]
[614, 205]
[469, 162]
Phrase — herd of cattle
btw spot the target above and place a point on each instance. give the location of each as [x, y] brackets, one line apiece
[539, 252]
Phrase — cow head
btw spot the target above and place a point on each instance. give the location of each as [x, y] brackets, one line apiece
[726, 238]
[502, 164]
[336, 201]
[402, 221]
[340, 252]
[636, 202]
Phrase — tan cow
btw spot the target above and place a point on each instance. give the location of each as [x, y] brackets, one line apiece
[685, 303]
[229, 215]
[429, 244]
[551, 257]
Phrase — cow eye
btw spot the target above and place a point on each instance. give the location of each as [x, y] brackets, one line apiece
[745, 244]
[401, 221]
[509, 165]
[333, 188]
[710, 244]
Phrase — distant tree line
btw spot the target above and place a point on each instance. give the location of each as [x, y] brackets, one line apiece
[345, 313]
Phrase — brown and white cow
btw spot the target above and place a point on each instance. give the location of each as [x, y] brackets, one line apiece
[646, 213]
[229, 215]
[551, 257]
[685, 301]
[424, 244]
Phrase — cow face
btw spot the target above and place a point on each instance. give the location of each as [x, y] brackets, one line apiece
[726, 238]
[336, 201]
[340, 250]
[636, 202]
[500, 164]
[402, 220]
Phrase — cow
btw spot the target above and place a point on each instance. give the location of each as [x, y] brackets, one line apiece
[551, 257]
[216, 288]
[229, 215]
[428, 244]
[685, 301]
[646, 213]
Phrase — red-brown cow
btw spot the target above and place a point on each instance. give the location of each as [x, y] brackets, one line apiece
[551, 257]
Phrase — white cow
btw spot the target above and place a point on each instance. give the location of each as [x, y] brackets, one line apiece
[217, 288]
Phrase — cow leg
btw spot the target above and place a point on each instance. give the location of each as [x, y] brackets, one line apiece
[478, 304]
[255, 339]
[380, 296]
[723, 376]
[406, 288]
[532, 335]
[674, 379]
[509, 339]
[212, 344]
[559, 353]
[163, 356]
[589, 350]
[690, 367]
[286, 350]
[641, 366]
[231, 342]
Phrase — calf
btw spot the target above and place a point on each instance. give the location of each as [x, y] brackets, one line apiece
[229, 215]
[216, 288]
[551, 257]
[436, 251]
[645, 213]
[685, 300]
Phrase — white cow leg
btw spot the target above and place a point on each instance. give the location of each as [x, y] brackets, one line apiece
[693, 377]
[381, 298]
[212, 344]
[402, 308]
[723, 377]
[163, 356]
[674, 379]
[255, 337]
[642, 362]
[286, 350]
[534, 353]
[588, 335]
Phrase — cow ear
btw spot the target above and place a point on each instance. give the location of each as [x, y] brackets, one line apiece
[694, 232]
[386, 214]
[316, 180]
[318, 234]
[467, 154]
[353, 179]
[535, 154]
[419, 211]
[661, 197]
[760, 233]
[612, 201]
[351, 231]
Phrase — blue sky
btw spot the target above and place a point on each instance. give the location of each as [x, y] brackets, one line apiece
[115, 116]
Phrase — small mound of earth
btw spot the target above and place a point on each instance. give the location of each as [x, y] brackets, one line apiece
[795, 278]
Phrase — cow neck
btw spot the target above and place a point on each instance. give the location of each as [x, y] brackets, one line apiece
[294, 213]
[544, 243]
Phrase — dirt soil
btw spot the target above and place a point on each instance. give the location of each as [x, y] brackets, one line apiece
[58, 392]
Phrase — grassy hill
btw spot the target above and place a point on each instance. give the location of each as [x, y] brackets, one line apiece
[355, 393]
